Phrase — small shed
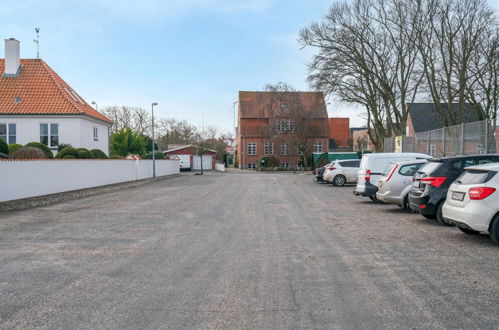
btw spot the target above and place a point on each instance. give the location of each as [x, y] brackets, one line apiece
[190, 158]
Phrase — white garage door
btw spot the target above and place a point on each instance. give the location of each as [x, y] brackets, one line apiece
[207, 162]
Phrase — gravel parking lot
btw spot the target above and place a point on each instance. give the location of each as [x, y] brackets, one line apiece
[241, 250]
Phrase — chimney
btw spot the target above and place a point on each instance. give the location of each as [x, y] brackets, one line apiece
[12, 57]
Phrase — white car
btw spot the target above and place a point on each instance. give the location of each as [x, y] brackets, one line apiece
[373, 165]
[473, 201]
[340, 172]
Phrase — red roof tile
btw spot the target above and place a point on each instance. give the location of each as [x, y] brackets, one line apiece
[39, 90]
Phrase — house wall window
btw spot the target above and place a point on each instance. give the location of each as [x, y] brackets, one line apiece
[269, 148]
[299, 150]
[96, 134]
[318, 147]
[251, 166]
[281, 126]
[284, 149]
[8, 133]
[49, 135]
[285, 165]
[252, 149]
[291, 126]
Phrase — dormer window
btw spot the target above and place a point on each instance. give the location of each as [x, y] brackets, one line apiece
[17, 100]
[283, 107]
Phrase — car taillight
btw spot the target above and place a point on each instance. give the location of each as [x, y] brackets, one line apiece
[367, 176]
[478, 193]
[435, 181]
[391, 172]
[331, 168]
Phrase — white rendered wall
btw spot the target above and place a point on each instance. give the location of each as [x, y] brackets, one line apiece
[30, 178]
[76, 131]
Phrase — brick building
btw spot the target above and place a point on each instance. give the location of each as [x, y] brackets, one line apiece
[339, 131]
[286, 125]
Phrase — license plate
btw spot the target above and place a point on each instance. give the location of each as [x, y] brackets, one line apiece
[416, 184]
[458, 196]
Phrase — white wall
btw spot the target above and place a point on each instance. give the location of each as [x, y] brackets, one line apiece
[77, 131]
[220, 167]
[30, 178]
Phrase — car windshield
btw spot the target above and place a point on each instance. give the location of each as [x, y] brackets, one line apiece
[475, 177]
[429, 167]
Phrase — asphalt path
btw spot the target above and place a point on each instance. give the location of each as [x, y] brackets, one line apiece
[241, 250]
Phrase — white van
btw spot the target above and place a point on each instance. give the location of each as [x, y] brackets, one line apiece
[372, 166]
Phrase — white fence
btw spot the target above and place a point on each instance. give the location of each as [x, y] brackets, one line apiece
[30, 178]
[220, 167]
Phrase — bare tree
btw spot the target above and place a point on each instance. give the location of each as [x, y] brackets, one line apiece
[135, 118]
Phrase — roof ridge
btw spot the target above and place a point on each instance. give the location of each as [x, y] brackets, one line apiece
[53, 76]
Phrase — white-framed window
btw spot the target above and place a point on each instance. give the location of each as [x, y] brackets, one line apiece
[281, 126]
[299, 150]
[285, 165]
[269, 148]
[96, 133]
[49, 135]
[291, 126]
[8, 132]
[252, 149]
[317, 146]
[252, 166]
[284, 149]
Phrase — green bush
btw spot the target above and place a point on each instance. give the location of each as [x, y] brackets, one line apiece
[62, 146]
[67, 151]
[29, 153]
[98, 154]
[83, 153]
[13, 147]
[159, 155]
[68, 157]
[268, 162]
[41, 146]
[4, 147]
[116, 157]
[126, 142]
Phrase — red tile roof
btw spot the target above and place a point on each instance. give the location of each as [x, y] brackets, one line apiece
[39, 90]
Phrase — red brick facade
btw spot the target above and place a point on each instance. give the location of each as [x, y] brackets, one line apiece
[282, 120]
[339, 130]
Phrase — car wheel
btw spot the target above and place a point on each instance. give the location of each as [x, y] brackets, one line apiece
[339, 180]
[428, 216]
[406, 205]
[494, 229]
[468, 231]
[373, 198]
[440, 217]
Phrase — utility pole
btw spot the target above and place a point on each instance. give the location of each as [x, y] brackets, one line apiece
[153, 151]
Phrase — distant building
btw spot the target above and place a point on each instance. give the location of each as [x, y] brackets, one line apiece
[280, 124]
[338, 132]
[361, 140]
[36, 105]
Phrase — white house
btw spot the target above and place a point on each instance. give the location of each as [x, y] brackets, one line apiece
[36, 105]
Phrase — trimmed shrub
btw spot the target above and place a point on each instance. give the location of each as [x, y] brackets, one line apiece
[29, 153]
[98, 154]
[83, 153]
[62, 146]
[68, 157]
[158, 154]
[14, 147]
[67, 151]
[116, 157]
[4, 147]
[42, 147]
[268, 162]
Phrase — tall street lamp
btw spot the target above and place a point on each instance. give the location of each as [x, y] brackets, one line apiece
[234, 118]
[153, 151]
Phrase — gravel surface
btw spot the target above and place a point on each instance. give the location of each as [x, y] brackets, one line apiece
[241, 251]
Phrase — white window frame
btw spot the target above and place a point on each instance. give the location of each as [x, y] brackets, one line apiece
[50, 134]
[251, 148]
[268, 148]
[96, 133]
[281, 126]
[291, 126]
[285, 149]
[251, 166]
[318, 148]
[8, 134]
[285, 165]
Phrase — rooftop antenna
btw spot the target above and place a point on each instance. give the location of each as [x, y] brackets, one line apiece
[37, 42]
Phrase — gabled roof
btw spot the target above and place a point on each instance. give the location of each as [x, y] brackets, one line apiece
[425, 117]
[38, 90]
[268, 104]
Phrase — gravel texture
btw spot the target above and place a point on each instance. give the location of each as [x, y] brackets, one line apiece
[241, 251]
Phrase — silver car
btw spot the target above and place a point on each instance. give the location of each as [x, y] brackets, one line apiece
[394, 184]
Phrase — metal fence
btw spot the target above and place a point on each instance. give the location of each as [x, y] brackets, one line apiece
[479, 137]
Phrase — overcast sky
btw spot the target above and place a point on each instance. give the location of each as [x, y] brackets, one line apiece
[190, 56]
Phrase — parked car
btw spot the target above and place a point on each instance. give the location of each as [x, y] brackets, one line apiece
[395, 182]
[319, 173]
[473, 201]
[432, 181]
[340, 172]
[371, 167]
